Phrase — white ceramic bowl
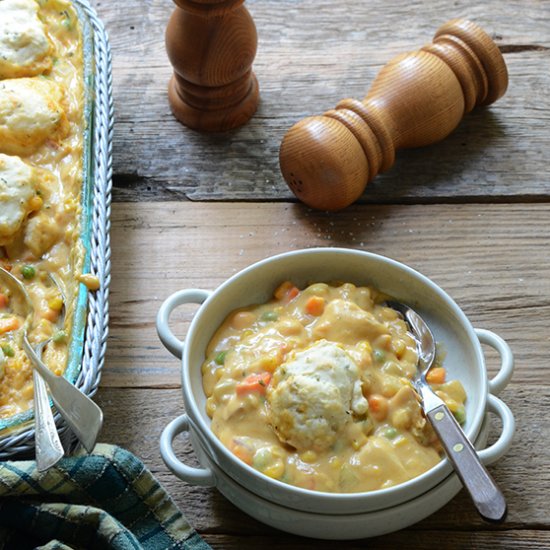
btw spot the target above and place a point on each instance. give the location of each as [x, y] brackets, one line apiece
[255, 284]
[341, 526]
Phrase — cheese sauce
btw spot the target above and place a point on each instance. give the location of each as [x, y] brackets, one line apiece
[314, 389]
[39, 243]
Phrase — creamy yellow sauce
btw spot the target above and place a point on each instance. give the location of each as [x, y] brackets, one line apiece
[47, 241]
[314, 389]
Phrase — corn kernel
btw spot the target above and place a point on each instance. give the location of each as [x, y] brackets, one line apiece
[398, 347]
[55, 303]
[269, 363]
[365, 346]
[276, 470]
[335, 463]
[399, 441]
[308, 456]
[383, 342]
[210, 407]
[35, 203]
[91, 282]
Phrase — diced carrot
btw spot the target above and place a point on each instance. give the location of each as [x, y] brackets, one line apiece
[292, 293]
[241, 452]
[436, 375]
[315, 305]
[286, 291]
[9, 324]
[282, 289]
[4, 300]
[50, 314]
[378, 406]
[256, 382]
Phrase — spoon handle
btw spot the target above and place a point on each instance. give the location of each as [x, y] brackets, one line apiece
[82, 415]
[485, 494]
[48, 446]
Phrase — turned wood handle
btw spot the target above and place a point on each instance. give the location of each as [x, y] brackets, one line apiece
[484, 492]
[417, 99]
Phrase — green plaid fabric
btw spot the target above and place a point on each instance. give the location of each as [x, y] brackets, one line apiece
[106, 500]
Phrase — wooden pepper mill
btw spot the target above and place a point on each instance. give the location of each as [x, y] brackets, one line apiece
[417, 99]
[211, 45]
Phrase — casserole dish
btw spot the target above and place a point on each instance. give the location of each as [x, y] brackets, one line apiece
[464, 361]
[88, 311]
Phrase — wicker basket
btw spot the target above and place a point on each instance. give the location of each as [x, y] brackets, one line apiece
[95, 339]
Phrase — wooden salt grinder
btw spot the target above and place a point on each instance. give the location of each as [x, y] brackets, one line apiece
[211, 45]
[417, 99]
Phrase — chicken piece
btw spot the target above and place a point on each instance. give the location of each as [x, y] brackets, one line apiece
[313, 395]
[41, 233]
[345, 322]
[25, 49]
[30, 113]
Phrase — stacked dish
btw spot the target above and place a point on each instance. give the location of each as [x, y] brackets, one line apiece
[323, 514]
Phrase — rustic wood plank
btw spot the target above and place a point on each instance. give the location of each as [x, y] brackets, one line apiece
[492, 259]
[134, 418]
[487, 540]
[312, 54]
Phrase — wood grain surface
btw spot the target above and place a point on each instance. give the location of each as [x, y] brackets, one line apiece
[492, 259]
[470, 212]
[310, 55]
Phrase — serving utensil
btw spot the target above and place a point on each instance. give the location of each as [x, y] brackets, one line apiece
[48, 447]
[483, 490]
[83, 416]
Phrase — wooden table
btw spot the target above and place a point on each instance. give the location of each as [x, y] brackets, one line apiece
[471, 213]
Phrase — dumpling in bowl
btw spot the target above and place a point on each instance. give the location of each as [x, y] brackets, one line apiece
[313, 396]
[31, 112]
[25, 49]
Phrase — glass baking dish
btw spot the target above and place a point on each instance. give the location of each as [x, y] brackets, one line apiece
[90, 315]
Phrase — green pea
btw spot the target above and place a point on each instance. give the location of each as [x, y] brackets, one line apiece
[28, 271]
[269, 316]
[8, 350]
[460, 414]
[220, 358]
[60, 337]
[379, 355]
[262, 458]
[390, 433]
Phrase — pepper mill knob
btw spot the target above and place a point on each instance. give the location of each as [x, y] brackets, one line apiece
[211, 45]
[417, 99]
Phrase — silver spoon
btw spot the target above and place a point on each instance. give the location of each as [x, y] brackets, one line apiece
[48, 447]
[83, 416]
[483, 490]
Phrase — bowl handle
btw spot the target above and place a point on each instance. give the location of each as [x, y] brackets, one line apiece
[195, 476]
[501, 446]
[503, 376]
[188, 296]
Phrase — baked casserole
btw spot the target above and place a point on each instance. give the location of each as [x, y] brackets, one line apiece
[43, 153]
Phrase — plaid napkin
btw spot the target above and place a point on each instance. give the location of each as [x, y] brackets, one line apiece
[105, 500]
